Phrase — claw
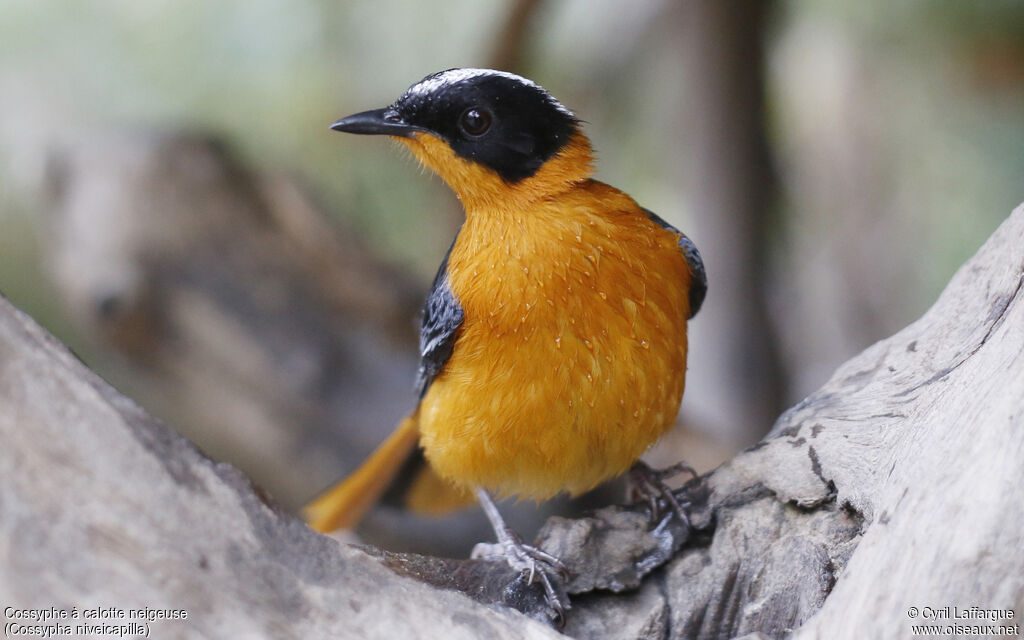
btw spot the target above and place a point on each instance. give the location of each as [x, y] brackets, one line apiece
[538, 565]
[532, 562]
[650, 484]
[555, 602]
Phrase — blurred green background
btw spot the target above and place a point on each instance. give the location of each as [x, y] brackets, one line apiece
[835, 162]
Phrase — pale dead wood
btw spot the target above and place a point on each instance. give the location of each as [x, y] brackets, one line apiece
[897, 484]
[101, 505]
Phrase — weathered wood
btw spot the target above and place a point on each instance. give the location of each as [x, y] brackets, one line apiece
[896, 485]
[100, 505]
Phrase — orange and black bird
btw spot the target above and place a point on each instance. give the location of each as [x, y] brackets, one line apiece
[553, 341]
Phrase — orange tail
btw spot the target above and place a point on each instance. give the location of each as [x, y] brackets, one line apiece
[344, 505]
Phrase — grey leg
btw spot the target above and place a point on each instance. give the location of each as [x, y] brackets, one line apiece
[523, 557]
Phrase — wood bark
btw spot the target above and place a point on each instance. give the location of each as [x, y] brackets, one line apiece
[102, 506]
[896, 485]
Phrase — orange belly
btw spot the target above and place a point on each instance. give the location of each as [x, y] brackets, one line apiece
[571, 358]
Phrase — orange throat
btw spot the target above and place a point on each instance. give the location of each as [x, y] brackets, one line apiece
[480, 188]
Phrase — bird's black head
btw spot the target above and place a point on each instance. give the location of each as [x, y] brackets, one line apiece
[499, 120]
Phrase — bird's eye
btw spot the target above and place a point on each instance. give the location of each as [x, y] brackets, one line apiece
[475, 121]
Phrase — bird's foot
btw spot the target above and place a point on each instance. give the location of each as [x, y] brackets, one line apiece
[646, 483]
[535, 565]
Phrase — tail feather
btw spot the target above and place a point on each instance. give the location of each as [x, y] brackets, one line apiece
[344, 505]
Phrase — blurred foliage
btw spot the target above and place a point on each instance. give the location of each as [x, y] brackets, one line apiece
[944, 101]
[271, 75]
[897, 131]
[951, 103]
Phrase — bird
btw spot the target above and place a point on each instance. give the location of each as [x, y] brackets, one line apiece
[553, 341]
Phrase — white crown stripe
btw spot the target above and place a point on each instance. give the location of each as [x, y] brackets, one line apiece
[453, 76]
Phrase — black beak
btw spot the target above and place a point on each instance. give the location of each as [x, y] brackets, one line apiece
[376, 122]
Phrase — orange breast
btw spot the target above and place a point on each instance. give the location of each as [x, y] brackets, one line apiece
[572, 356]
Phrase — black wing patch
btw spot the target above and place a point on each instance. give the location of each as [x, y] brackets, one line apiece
[699, 281]
[442, 316]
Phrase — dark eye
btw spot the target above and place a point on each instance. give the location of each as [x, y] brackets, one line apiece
[475, 121]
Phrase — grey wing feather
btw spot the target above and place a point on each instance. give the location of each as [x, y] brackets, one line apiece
[442, 316]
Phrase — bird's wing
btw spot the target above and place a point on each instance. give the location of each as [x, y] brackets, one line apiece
[442, 317]
[699, 278]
